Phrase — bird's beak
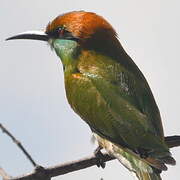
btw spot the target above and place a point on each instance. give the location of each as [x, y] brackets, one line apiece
[34, 35]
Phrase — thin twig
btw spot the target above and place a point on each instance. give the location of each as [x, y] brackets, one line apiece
[18, 143]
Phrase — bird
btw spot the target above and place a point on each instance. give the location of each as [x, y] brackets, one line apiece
[108, 91]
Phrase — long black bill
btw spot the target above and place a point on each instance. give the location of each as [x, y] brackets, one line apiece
[34, 35]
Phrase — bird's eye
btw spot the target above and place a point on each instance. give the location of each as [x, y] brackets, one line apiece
[62, 33]
[58, 32]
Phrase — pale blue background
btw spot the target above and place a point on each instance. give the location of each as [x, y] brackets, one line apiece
[32, 97]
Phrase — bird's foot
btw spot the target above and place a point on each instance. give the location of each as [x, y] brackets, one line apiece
[99, 155]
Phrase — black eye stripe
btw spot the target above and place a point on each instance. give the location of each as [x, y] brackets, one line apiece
[56, 32]
[61, 33]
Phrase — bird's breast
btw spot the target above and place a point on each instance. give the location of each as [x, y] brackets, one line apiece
[81, 94]
[87, 102]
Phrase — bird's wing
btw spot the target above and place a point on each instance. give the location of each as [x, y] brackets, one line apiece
[130, 103]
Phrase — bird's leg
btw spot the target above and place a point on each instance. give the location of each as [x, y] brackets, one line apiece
[99, 155]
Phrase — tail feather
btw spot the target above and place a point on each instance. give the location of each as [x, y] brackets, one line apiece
[144, 169]
[157, 164]
[168, 160]
[141, 175]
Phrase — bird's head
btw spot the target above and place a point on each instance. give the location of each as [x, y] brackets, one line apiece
[85, 30]
[79, 25]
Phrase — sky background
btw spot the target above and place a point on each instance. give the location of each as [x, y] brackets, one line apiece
[33, 105]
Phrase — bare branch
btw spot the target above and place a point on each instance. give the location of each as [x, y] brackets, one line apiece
[41, 173]
[18, 143]
[172, 141]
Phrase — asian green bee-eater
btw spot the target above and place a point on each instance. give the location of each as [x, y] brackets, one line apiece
[108, 91]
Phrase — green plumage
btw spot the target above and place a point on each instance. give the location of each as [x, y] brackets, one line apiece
[114, 100]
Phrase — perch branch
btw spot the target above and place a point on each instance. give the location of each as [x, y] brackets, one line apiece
[41, 173]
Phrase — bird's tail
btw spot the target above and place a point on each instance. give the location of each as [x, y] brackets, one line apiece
[141, 175]
[138, 166]
[143, 169]
[148, 172]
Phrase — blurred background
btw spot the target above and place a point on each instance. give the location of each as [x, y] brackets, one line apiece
[33, 105]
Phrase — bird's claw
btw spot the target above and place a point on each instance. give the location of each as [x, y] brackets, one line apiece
[99, 156]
